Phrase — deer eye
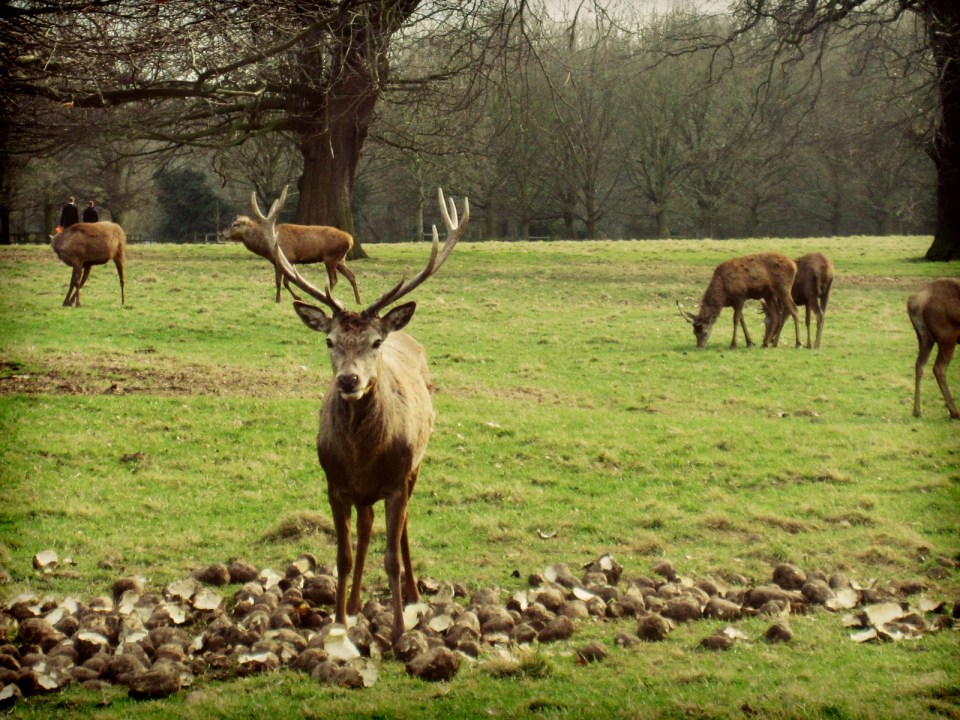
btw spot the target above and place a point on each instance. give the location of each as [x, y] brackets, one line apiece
[329, 343]
[377, 343]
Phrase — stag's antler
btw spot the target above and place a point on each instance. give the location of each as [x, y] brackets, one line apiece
[456, 229]
[269, 225]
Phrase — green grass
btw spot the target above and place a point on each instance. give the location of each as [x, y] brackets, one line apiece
[179, 431]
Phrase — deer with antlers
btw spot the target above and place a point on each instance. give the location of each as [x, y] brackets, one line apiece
[763, 276]
[301, 244]
[935, 313]
[376, 417]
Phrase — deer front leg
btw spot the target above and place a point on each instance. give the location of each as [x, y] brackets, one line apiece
[738, 318]
[74, 281]
[410, 592]
[364, 530]
[944, 355]
[83, 281]
[396, 522]
[341, 522]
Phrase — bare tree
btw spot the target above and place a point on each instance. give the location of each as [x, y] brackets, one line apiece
[798, 27]
[215, 73]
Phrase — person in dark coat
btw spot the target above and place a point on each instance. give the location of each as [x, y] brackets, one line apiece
[69, 215]
[90, 213]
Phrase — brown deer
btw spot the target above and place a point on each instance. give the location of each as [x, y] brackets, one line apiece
[301, 244]
[935, 313]
[376, 417]
[764, 276]
[811, 288]
[83, 245]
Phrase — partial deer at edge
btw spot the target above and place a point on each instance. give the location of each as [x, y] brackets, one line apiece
[935, 313]
[376, 417]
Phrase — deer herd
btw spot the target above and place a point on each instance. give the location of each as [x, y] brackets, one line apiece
[377, 415]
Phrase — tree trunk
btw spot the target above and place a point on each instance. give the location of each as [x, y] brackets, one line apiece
[4, 224]
[334, 126]
[663, 223]
[326, 185]
[943, 27]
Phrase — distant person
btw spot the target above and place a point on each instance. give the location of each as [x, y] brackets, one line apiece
[69, 214]
[90, 213]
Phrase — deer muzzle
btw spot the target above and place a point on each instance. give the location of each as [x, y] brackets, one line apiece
[349, 386]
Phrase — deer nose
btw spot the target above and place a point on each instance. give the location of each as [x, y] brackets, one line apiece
[348, 383]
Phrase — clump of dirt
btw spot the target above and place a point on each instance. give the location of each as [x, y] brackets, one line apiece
[155, 642]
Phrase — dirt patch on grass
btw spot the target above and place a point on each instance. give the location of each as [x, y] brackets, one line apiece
[123, 375]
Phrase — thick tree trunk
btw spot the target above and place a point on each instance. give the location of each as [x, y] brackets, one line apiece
[326, 185]
[334, 126]
[663, 223]
[943, 26]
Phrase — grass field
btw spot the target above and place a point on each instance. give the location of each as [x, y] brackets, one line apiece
[575, 418]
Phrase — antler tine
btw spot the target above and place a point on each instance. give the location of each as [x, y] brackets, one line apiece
[281, 261]
[456, 229]
[256, 206]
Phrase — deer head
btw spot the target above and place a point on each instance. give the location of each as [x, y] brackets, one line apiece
[355, 338]
[702, 327]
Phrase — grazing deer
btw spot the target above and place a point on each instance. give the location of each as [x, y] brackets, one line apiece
[764, 276]
[83, 245]
[301, 244]
[811, 288]
[376, 417]
[935, 313]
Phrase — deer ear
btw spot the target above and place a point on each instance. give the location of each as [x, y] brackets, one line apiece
[398, 318]
[313, 317]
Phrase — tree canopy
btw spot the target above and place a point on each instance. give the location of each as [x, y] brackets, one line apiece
[678, 113]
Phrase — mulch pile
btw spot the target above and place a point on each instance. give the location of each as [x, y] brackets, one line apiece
[156, 642]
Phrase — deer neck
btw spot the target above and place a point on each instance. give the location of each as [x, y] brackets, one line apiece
[712, 303]
[368, 421]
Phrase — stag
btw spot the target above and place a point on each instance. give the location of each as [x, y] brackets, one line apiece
[764, 276]
[301, 244]
[83, 245]
[811, 288]
[935, 313]
[376, 417]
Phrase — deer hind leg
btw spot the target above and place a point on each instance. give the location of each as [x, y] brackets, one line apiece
[364, 530]
[119, 263]
[771, 319]
[348, 274]
[818, 311]
[786, 301]
[341, 522]
[944, 355]
[926, 345]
